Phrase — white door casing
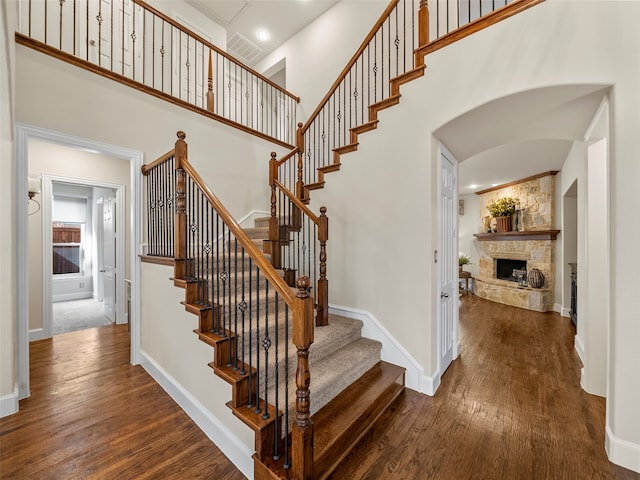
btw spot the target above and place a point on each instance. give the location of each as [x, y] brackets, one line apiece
[447, 271]
[109, 259]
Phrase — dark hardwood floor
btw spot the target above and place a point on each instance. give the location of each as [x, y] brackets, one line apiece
[510, 407]
[92, 415]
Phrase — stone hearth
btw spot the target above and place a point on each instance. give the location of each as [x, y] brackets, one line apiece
[537, 253]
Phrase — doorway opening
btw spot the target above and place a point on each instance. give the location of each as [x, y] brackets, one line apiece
[82, 252]
[30, 305]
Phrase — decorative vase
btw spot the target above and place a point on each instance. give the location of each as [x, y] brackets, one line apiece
[503, 224]
[535, 278]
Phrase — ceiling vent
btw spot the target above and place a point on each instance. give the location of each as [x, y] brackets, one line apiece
[242, 48]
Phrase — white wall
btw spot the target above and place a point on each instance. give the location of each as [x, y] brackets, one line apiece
[470, 223]
[168, 341]
[381, 247]
[8, 302]
[317, 54]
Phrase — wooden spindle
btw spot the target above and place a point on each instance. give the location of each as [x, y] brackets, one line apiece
[423, 23]
[322, 312]
[210, 85]
[302, 430]
[300, 183]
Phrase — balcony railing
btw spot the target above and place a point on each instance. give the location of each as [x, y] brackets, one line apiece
[133, 42]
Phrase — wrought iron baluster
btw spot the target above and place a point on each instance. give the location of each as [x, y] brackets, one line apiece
[258, 409]
[266, 345]
[276, 430]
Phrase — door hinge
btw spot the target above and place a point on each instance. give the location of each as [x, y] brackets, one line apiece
[435, 256]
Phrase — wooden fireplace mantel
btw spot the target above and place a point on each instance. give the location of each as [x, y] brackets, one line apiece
[527, 235]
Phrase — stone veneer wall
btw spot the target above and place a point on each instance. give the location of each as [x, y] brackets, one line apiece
[537, 200]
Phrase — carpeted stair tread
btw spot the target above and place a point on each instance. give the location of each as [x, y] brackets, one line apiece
[332, 374]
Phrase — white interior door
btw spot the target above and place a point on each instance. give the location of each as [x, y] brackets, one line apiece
[109, 266]
[447, 272]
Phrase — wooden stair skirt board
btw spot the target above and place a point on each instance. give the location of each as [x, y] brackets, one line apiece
[340, 425]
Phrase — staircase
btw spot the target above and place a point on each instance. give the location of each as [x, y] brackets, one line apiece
[351, 387]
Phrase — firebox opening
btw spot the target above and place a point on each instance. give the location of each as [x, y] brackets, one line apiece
[505, 268]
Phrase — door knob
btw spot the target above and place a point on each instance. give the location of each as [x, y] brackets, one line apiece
[444, 295]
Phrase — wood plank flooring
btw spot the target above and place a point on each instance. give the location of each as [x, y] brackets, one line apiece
[92, 415]
[510, 407]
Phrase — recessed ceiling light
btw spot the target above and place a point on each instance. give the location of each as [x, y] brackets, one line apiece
[473, 185]
[263, 35]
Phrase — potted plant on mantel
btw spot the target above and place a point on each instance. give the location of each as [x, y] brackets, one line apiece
[502, 209]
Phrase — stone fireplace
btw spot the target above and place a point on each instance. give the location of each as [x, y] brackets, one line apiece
[501, 253]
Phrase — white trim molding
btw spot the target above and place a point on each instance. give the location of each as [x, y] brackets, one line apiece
[234, 449]
[248, 220]
[36, 334]
[392, 351]
[622, 452]
[430, 384]
[9, 403]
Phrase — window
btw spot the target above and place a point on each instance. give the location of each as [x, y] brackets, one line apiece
[68, 238]
[67, 248]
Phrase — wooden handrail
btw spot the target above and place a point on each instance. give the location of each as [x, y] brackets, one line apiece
[258, 257]
[288, 156]
[476, 25]
[352, 62]
[192, 34]
[297, 202]
[146, 168]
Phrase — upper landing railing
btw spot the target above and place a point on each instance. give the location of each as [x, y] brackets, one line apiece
[132, 42]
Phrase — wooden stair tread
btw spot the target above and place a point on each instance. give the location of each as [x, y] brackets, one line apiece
[343, 421]
[314, 186]
[254, 419]
[350, 147]
[365, 127]
[334, 167]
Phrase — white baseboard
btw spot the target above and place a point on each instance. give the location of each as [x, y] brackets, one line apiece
[36, 334]
[9, 403]
[431, 384]
[234, 449]
[621, 452]
[247, 220]
[392, 351]
[578, 345]
[65, 297]
[565, 312]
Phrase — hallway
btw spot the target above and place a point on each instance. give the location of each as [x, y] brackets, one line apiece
[510, 407]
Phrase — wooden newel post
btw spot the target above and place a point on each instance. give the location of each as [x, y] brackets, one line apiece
[180, 216]
[210, 85]
[300, 144]
[302, 430]
[322, 317]
[274, 234]
[423, 24]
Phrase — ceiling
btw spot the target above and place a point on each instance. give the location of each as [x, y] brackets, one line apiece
[243, 18]
[519, 135]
